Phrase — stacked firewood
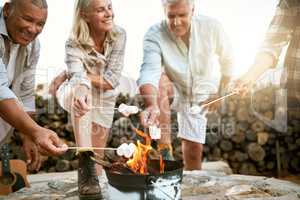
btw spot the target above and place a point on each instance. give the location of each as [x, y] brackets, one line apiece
[234, 135]
[237, 136]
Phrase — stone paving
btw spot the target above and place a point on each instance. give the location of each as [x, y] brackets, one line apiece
[214, 182]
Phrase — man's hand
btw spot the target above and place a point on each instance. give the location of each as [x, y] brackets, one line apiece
[241, 86]
[150, 116]
[211, 107]
[56, 82]
[48, 142]
[33, 156]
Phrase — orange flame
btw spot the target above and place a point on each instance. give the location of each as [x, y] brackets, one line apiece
[139, 161]
[161, 165]
[144, 135]
[140, 157]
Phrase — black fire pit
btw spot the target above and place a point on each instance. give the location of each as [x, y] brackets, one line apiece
[154, 186]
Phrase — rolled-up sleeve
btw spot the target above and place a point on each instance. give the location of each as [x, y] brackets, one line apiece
[115, 61]
[76, 70]
[5, 91]
[280, 30]
[151, 68]
[224, 51]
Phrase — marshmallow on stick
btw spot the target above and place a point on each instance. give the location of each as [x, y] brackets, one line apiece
[155, 132]
[195, 110]
[128, 110]
[126, 150]
[198, 109]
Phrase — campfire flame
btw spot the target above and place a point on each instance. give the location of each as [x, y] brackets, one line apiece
[139, 161]
[161, 164]
[140, 157]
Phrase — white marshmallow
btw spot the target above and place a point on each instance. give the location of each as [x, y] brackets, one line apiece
[127, 110]
[126, 150]
[121, 149]
[132, 148]
[195, 110]
[155, 132]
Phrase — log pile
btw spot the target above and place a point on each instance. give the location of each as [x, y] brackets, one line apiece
[234, 135]
[246, 143]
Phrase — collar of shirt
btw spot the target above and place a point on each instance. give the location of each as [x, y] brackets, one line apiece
[178, 41]
[3, 29]
[107, 42]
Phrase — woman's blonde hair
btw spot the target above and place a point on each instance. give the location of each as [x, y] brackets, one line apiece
[80, 29]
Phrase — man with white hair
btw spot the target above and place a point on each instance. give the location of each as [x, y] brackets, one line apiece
[21, 21]
[179, 62]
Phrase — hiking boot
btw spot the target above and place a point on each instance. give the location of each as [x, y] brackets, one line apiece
[166, 151]
[88, 183]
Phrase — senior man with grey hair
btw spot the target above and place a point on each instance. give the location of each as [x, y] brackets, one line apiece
[179, 62]
[21, 21]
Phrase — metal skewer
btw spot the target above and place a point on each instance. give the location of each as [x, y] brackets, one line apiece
[95, 148]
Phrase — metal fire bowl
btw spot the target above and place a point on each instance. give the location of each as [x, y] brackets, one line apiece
[139, 181]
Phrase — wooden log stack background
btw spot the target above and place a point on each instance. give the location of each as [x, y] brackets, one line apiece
[234, 135]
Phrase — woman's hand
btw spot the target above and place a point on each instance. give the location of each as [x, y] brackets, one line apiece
[150, 116]
[81, 101]
[56, 82]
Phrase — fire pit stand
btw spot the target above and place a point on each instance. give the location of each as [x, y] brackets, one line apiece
[154, 186]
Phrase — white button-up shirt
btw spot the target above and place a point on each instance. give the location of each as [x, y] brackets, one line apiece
[190, 69]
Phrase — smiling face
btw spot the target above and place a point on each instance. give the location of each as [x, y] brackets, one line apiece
[99, 16]
[179, 17]
[24, 21]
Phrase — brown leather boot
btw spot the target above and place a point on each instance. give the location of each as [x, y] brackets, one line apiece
[88, 183]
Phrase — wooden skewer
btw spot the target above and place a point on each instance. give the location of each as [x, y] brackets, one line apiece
[219, 99]
[95, 148]
[98, 107]
[95, 107]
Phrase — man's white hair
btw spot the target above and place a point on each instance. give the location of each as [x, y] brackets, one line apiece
[166, 2]
[39, 3]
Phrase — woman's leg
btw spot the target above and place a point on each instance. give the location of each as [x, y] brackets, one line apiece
[82, 126]
[99, 138]
[88, 183]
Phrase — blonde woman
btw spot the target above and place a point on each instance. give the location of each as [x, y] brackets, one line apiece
[94, 57]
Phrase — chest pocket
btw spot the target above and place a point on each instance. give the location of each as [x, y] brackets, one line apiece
[94, 63]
